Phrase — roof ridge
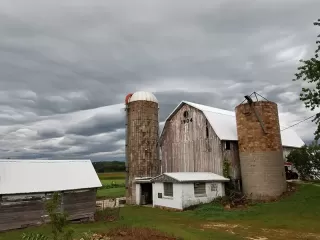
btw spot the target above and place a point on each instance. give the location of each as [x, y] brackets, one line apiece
[215, 110]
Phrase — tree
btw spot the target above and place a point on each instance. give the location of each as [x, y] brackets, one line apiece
[310, 72]
[58, 219]
[306, 160]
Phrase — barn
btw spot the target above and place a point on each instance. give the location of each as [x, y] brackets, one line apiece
[199, 138]
[25, 185]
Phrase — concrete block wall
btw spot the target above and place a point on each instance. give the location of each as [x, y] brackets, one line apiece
[261, 154]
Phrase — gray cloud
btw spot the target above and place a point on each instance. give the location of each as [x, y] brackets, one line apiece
[62, 62]
[99, 123]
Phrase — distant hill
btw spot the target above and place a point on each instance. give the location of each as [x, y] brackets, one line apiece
[114, 166]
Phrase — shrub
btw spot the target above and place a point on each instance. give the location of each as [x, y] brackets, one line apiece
[306, 160]
[58, 222]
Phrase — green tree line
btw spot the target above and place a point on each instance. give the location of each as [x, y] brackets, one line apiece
[114, 166]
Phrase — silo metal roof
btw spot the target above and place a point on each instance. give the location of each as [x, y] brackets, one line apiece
[143, 96]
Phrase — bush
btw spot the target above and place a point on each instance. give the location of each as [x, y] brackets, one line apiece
[58, 222]
[306, 160]
[113, 185]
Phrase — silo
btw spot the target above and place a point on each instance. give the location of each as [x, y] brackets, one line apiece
[142, 133]
[260, 148]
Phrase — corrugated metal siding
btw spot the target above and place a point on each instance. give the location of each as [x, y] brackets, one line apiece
[185, 147]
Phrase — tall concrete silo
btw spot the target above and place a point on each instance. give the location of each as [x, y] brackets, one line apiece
[260, 148]
[142, 134]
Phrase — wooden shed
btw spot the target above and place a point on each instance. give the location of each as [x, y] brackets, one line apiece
[199, 138]
[25, 185]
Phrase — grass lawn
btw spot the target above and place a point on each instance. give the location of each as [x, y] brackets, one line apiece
[295, 217]
[108, 179]
[112, 175]
[111, 193]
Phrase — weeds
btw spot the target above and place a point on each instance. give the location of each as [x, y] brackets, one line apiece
[58, 222]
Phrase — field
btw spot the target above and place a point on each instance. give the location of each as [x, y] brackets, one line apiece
[109, 191]
[294, 217]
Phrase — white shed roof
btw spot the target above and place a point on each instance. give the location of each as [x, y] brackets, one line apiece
[223, 123]
[196, 176]
[34, 176]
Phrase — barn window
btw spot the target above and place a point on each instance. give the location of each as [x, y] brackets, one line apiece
[228, 147]
[185, 114]
[199, 189]
[168, 189]
[207, 129]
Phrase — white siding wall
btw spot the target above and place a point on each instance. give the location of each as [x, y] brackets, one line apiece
[170, 202]
[189, 199]
[183, 195]
[138, 194]
[286, 151]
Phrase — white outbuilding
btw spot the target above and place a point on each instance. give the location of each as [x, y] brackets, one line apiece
[180, 190]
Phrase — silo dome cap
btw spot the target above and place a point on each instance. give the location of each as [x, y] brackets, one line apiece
[143, 96]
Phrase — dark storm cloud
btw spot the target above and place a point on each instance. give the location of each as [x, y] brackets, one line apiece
[58, 58]
[99, 123]
[49, 133]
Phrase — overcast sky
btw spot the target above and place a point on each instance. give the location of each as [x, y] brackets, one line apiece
[66, 66]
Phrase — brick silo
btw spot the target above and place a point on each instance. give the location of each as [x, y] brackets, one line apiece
[260, 148]
[142, 134]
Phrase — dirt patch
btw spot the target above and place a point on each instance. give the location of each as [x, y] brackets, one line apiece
[254, 233]
[125, 233]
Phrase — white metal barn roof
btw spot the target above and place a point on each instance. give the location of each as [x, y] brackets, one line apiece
[223, 123]
[195, 176]
[34, 176]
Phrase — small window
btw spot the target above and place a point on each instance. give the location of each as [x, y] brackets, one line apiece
[228, 147]
[199, 189]
[168, 189]
[185, 114]
[207, 129]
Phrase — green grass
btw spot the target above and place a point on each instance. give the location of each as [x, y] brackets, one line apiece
[111, 193]
[108, 179]
[301, 211]
[112, 175]
[140, 217]
[298, 214]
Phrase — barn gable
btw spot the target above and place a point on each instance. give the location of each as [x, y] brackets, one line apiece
[223, 123]
[189, 143]
[37, 176]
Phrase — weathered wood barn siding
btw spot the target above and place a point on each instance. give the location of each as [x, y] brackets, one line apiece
[80, 204]
[19, 211]
[189, 144]
[232, 157]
